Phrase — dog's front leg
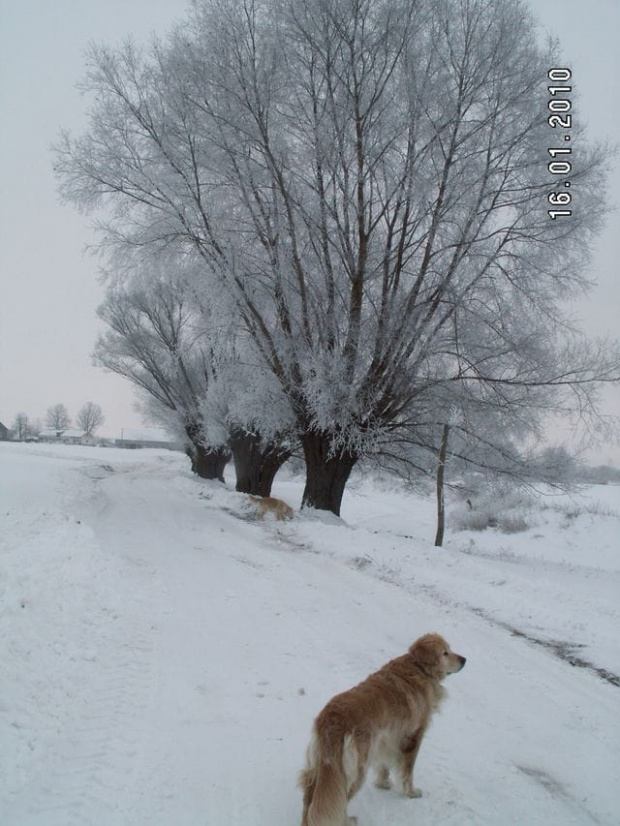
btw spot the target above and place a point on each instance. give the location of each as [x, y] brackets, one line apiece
[407, 756]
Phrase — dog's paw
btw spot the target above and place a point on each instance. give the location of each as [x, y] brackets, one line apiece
[413, 793]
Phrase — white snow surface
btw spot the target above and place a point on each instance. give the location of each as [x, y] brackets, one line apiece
[163, 653]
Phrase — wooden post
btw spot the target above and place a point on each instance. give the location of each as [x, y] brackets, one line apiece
[441, 518]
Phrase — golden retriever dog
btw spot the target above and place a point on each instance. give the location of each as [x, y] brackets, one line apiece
[276, 506]
[381, 722]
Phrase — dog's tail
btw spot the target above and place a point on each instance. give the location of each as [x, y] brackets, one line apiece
[324, 782]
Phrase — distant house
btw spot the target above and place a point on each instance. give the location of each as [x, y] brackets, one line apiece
[147, 437]
[49, 434]
[4, 433]
[72, 436]
[68, 436]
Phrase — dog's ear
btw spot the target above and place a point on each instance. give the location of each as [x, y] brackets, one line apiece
[427, 652]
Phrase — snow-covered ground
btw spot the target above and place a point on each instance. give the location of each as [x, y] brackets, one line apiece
[163, 654]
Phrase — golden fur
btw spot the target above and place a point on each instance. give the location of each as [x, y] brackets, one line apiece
[276, 506]
[382, 722]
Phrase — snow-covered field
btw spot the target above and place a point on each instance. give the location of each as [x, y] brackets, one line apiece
[163, 654]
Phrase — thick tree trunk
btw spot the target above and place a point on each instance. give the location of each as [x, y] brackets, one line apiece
[441, 467]
[208, 463]
[326, 475]
[256, 463]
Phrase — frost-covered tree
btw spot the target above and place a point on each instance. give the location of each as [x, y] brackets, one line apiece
[57, 417]
[153, 341]
[21, 428]
[369, 181]
[245, 402]
[90, 418]
[176, 343]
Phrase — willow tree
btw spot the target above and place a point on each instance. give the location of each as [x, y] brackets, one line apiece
[153, 341]
[194, 375]
[355, 172]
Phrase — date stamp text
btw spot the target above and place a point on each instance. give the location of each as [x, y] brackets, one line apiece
[560, 165]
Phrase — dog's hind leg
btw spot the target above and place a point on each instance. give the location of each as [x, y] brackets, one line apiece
[383, 778]
[355, 762]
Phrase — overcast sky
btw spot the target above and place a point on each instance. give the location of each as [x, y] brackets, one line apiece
[48, 286]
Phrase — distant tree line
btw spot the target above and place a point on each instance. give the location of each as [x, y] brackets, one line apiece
[89, 419]
[326, 233]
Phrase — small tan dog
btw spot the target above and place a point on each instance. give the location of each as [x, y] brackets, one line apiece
[277, 506]
[381, 721]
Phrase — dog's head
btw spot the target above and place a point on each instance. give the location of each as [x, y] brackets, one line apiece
[432, 653]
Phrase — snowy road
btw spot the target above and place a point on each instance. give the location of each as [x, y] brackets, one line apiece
[164, 658]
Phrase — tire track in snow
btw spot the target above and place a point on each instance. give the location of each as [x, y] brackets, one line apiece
[556, 789]
[562, 650]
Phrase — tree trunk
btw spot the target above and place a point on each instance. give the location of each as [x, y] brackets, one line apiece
[208, 463]
[326, 474]
[256, 463]
[441, 516]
